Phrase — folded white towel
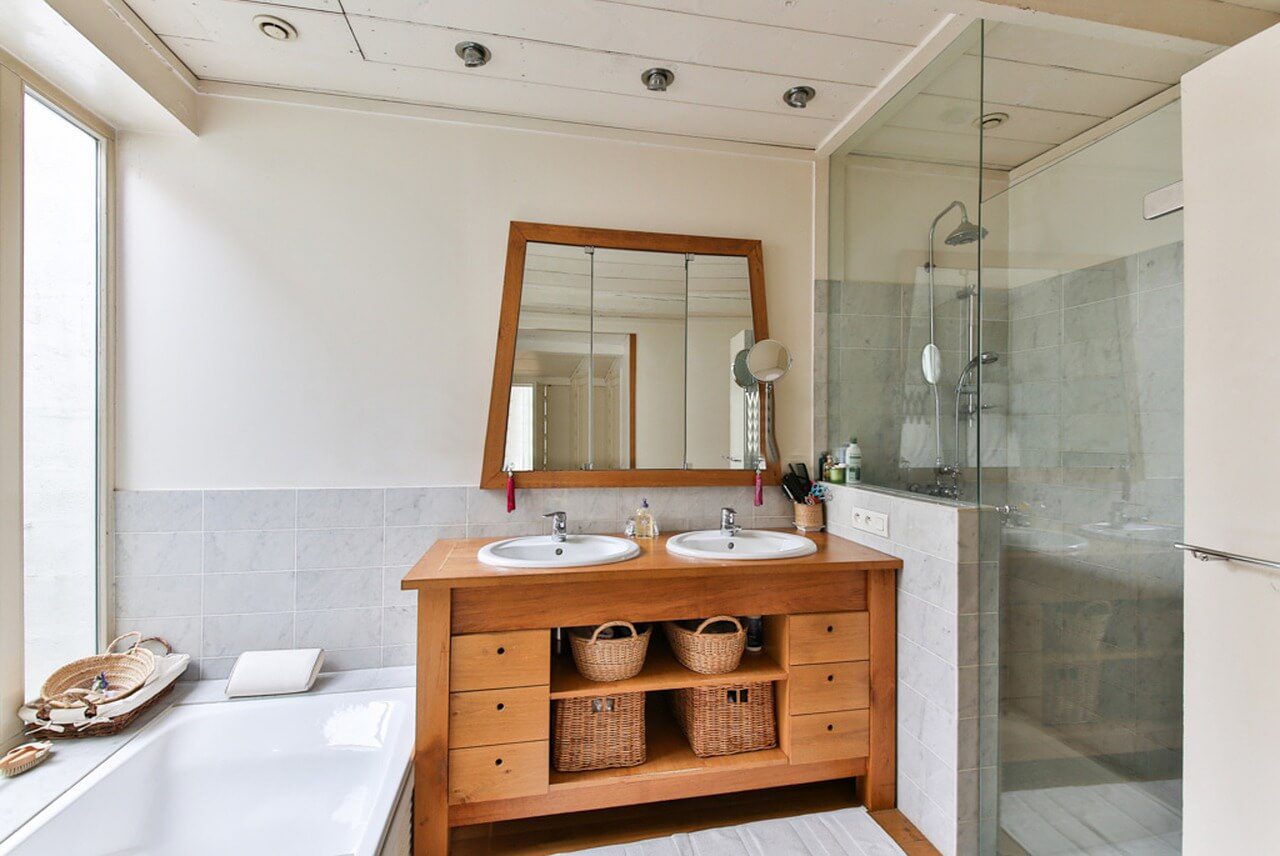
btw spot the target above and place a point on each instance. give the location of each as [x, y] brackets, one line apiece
[258, 673]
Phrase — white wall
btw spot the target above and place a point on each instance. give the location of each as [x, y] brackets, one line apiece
[1231, 121]
[310, 296]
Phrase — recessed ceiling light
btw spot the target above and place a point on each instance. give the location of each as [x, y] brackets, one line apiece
[992, 120]
[657, 79]
[798, 96]
[473, 54]
[275, 28]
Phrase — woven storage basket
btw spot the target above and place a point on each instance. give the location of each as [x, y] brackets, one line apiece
[809, 517]
[72, 685]
[705, 652]
[601, 732]
[610, 659]
[728, 719]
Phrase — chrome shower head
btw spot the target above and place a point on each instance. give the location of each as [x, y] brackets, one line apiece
[986, 358]
[965, 233]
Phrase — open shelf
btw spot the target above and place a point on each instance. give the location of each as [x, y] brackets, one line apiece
[668, 754]
[661, 672]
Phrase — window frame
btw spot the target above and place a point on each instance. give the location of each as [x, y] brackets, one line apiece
[16, 82]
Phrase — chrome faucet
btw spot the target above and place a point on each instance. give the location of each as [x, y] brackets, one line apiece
[729, 522]
[559, 525]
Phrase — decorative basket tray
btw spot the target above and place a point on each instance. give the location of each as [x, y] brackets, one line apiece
[109, 718]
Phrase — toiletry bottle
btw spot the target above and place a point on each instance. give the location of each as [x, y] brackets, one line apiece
[755, 633]
[853, 462]
[646, 526]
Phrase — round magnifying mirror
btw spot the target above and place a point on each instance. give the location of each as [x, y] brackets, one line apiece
[931, 363]
[741, 374]
[768, 361]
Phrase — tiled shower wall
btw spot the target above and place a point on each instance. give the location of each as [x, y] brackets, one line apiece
[219, 572]
[1091, 637]
[941, 670]
[868, 337]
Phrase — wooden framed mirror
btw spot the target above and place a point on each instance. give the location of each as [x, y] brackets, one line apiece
[615, 361]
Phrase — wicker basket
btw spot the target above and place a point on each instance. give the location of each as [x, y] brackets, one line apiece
[707, 653]
[728, 719]
[597, 733]
[106, 728]
[72, 685]
[809, 518]
[610, 659]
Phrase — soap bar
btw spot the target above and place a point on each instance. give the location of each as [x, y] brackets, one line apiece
[258, 673]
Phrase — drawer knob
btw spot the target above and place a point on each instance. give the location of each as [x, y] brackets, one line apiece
[497, 762]
[502, 651]
[830, 678]
[830, 727]
[501, 706]
[830, 629]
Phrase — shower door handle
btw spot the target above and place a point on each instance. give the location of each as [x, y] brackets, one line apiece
[1205, 554]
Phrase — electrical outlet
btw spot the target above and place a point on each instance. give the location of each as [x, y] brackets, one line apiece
[871, 521]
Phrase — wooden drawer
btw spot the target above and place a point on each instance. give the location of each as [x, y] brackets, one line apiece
[489, 717]
[828, 637]
[498, 772]
[830, 736]
[513, 658]
[829, 686]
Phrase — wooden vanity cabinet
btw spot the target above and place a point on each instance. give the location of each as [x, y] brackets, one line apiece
[488, 679]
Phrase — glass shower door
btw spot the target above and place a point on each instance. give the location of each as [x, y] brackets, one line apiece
[1081, 726]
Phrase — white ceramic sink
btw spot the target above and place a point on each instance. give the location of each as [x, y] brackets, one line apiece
[1132, 530]
[544, 551]
[747, 544]
[1040, 540]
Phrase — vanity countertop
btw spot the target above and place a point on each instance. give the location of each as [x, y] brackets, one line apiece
[454, 564]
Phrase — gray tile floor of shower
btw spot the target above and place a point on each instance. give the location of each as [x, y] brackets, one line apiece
[1122, 818]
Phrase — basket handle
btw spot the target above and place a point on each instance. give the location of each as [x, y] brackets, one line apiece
[607, 624]
[168, 649]
[111, 647]
[713, 619]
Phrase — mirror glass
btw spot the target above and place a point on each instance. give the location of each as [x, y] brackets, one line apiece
[769, 361]
[624, 359]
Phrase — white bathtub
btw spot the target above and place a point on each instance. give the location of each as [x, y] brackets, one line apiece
[318, 775]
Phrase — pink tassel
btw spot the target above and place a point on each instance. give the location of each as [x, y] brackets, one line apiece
[759, 488]
[511, 491]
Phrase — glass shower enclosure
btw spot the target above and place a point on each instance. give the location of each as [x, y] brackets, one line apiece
[1004, 330]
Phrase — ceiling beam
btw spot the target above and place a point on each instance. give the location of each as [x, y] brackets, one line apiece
[1209, 21]
[121, 36]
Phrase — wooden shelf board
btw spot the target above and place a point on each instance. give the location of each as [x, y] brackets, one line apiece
[668, 754]
[661, 672]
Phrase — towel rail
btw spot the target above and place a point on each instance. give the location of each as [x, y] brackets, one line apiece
[1205, 554]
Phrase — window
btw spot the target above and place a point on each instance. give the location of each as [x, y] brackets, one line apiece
[61, 287]
[520, 430]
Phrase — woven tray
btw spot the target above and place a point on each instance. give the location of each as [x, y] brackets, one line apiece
[705, 652]
[598, 733]
[728, 719]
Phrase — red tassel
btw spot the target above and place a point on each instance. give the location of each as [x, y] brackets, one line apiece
[511, 491]
[759, 488]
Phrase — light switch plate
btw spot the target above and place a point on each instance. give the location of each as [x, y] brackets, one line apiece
[871, 521]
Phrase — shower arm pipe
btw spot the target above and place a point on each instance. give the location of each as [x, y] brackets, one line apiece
[937, 402]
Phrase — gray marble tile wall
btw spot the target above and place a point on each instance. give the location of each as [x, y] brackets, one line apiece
[940, 668]
[1091, 634]
[219, 572]
[869, 357]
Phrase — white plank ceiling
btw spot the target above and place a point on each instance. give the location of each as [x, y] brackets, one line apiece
[580, 61]
[1053, 85]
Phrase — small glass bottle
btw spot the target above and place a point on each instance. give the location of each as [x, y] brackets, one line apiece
[646, 526]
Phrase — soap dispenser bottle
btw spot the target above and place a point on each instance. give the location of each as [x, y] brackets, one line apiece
[646, 526]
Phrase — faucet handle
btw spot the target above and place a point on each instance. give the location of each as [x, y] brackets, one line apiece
[558, 516]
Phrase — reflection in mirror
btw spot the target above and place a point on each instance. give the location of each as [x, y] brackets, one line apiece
[720, 426]
[547, 418]
[641, 295]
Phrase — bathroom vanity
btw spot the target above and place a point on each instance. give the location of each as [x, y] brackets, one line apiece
[488, 675]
